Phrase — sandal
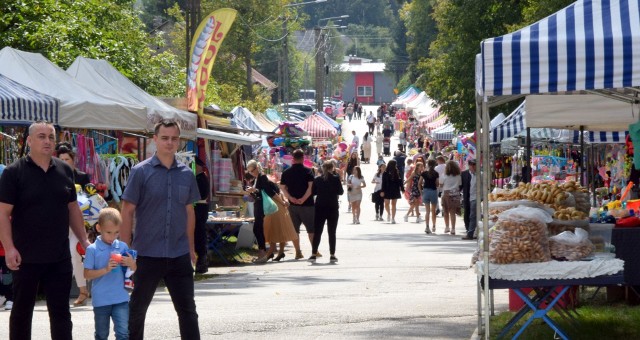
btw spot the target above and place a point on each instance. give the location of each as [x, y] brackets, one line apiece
[81, 300]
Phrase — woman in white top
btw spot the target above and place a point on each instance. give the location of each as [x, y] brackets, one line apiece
[366, 147]
[379, 140]
[355, 183]
[451, 185]
[379, 201]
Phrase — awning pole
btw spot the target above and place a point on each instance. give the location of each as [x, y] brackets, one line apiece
[528, 156]
[582, 158]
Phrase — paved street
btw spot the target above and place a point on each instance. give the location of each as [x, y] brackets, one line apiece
[391, 281]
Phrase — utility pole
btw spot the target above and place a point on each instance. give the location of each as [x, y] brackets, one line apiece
[285, 66]
[192, 19]
[319, 68]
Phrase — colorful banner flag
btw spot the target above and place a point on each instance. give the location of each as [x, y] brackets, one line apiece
[204, 48]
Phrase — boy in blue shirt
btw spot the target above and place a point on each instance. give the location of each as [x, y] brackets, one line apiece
[110, 299]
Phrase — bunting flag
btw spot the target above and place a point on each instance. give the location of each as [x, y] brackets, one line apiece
[204, 49]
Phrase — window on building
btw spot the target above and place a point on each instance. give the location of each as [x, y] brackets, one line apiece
[365, 91]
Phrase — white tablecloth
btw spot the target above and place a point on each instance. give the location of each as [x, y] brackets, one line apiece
[553, 269]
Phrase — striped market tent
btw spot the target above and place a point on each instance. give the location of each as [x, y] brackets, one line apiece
[318, 128]
[510, 126]
[438, 122]
[591, 44]
[595, 137]
[445, 132]
[22, 105]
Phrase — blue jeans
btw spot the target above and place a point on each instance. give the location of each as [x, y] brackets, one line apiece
[120, 315]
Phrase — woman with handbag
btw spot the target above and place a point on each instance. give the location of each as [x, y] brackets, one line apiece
[375, 197]
[278, 227]
[451, 185]
[414, 191]
[392, 187]
[262, 191]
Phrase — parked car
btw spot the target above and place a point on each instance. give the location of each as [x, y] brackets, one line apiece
[295, 116]
[304, 107]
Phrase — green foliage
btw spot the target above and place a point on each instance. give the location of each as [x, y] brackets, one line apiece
[361, 12]
[421, 32]
[369, 41]
[111, 30]
[448, 74]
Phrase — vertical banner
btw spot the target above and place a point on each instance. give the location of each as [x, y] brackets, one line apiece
[204, 48]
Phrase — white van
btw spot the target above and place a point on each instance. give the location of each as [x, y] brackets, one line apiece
[306, 108]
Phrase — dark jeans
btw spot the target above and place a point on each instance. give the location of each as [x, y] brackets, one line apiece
[55, 279]
[379, 204]
[371, 125]
[473, 219]
[258, 229]
[178, 277]
[331, 217]
[200, 232]
[5, 289]
[465, 216]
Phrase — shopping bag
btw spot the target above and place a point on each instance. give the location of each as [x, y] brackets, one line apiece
[268, 205]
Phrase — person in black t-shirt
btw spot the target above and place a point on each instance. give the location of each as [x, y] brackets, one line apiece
[296, 185]
[201, 210]
[38, 203]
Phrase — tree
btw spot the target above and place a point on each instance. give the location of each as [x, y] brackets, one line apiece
[421, 30]
[111, 30]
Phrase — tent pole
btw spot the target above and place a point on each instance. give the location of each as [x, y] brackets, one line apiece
[528, 157]
[582, 158]
[486, 175]
[479, 184]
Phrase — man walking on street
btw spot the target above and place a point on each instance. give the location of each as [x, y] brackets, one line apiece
[161, 191]
[38, 204]
[469, 199]
[371, 122]
[297, 185]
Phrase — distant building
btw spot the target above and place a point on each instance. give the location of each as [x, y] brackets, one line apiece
[367, 82]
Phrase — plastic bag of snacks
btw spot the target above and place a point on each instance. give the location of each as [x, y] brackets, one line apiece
[571, 246]
[520, 236]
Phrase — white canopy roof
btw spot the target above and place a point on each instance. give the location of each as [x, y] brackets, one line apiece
[79, 106]
[228, 137]
[100, 76]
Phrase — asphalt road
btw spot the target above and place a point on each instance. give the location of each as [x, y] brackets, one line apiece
[391, 281]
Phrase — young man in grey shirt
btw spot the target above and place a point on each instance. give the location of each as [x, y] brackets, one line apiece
[161, 191]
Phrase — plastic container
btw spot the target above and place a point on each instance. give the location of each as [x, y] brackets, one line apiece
[600, 236]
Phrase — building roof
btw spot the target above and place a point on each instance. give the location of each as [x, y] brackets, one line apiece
[364, 67]
[259, 78]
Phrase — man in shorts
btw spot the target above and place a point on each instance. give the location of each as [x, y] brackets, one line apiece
[296, 184]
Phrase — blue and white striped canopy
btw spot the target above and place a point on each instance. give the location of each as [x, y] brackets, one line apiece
[591, 44]
[593, 137]
[445, 132]
[510, 126]
[22, 105]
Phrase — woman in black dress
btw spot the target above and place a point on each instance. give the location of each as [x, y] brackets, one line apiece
[392, 186]
[326, 188]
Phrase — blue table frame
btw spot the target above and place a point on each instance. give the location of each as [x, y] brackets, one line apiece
[546, 292]
[218, 230]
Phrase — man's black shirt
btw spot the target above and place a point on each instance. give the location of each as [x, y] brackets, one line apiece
[297, 179]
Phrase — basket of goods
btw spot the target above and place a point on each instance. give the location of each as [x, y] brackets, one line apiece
[520, 236]
[571, 246]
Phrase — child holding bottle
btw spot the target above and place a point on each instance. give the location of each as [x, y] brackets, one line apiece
[102, 263]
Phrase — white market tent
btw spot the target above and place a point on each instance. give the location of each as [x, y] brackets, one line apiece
[590, 47]
[79, 106]
[101, 77]
[422, 100]
[445, 132]
[22, 105]
[406, 96]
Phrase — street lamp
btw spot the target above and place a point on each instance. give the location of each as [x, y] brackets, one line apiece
[338, 17]
[285, 54]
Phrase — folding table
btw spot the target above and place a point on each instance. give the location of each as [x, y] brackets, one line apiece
[218, 230]
[549, 282]
[546, 292]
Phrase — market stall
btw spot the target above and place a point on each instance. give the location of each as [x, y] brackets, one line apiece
[549, 61]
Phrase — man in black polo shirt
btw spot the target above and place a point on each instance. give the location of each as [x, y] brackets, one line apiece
[296, 184]
[38, 193]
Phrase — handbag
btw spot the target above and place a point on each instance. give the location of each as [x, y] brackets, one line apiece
[268, 205]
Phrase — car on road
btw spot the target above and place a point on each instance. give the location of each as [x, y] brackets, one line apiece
[304, 107]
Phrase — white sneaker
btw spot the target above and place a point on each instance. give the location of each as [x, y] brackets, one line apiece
[8, 305]
[393, 221]
[2, 300]
[406, 218]
[388, 218]
[418, 220]
[377, 217]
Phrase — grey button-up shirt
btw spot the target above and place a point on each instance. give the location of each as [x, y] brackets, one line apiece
[161, 196]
